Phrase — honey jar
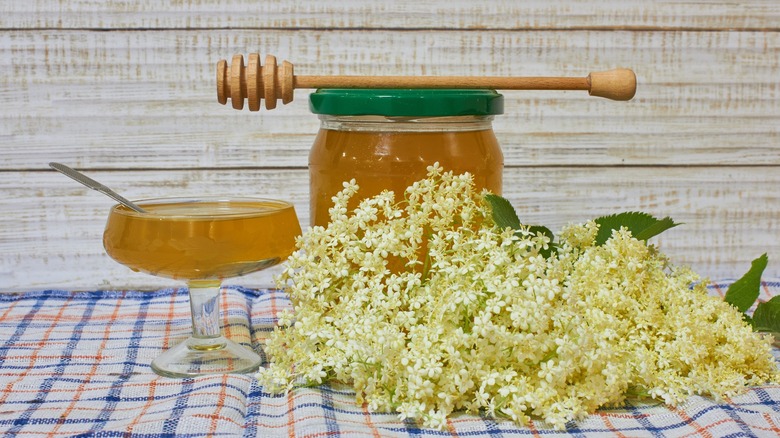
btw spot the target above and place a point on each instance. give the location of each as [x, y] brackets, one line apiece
[387, 138]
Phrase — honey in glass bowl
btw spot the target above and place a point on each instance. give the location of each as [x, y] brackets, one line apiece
[202, 239]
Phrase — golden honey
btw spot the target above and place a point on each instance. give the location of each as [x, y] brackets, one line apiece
[197, 240]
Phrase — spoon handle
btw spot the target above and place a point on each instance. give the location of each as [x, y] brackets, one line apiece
[94, 185]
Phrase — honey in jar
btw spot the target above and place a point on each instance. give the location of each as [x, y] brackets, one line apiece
[387, 138]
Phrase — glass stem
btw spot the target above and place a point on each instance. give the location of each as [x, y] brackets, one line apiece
[204, 302]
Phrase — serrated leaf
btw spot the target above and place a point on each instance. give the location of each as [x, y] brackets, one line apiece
[504, 214]
[657, 228]
[641, 225]
[744, 292]
[766, 318]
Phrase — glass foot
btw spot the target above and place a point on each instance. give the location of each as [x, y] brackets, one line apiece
[202, 356]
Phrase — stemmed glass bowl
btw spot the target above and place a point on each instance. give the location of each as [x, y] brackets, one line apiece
[203, 241]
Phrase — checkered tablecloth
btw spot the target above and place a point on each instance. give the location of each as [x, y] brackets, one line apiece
[77, 363]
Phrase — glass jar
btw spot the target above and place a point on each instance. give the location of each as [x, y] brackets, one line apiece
[386, 139]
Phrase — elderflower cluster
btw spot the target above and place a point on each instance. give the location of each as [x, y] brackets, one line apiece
[424, 307]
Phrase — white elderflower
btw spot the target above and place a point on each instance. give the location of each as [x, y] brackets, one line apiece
[425, 307]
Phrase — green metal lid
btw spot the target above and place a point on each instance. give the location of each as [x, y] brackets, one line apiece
[424, 102]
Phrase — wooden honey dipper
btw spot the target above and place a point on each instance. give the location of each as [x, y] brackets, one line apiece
[270, 82]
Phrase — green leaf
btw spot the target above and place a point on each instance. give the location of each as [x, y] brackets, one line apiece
[744, 292]
[641, 225]
[766, 318]
[504, 214]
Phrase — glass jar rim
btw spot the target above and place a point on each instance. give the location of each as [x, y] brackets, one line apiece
[392, 102]
[119, 209]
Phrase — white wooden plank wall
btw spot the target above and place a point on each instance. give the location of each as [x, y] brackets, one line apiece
[125, 91]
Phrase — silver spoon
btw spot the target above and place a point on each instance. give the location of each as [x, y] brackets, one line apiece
[94, 185]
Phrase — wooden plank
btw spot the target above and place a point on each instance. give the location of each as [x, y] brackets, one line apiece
[90, 97]
[126, 89]
[399, 14]
[51, 228]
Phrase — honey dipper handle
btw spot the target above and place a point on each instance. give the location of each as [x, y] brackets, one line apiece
[618, 84]
[463, 82]
[256, 82]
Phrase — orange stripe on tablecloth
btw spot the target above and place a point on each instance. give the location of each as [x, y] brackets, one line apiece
[9, 309]
[612, 429]
[450, 429]
[80, 390]
[216, 418]
[771, 422]
[54, 356]
[274, 309]
[369, 423]
[335, 433]
[273, 305]
[55, 409]
[219, 407]
[149, 401]
[698, 429]
[169, 317]
[95, 319]
[308, 417]
[34, 355]
[767, 292]
[533, 428]
[289, 402]
[290, 415]
[279, 426]
[341, 422]
[107, 386]
[223, 300]
[301, 394]
[717, 288]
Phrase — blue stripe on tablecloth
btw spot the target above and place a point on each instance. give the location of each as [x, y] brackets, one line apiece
[21, 327]
[764, 400]
[331, 424]
[642, 420]
[120, 434]
[64, 295]
[412, 428]
[253, 409]
[643, 426]
[58, 371]
[171, 424]
[663, 430]
[729, 411]
[726, 282]
[491, 426]
[574, 430]
[112, 398]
